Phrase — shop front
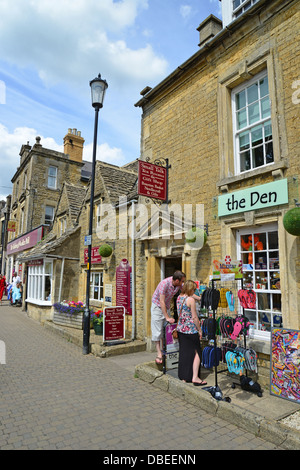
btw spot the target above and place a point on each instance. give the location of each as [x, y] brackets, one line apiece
[253, 232]
[18, 246]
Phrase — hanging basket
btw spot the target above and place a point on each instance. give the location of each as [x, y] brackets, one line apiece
[105, 250]
[196, 237]
[291, 221]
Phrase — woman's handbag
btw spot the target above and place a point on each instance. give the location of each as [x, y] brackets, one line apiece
[175, 332]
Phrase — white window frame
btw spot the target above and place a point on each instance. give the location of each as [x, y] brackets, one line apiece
[53, 209]
[99, 285]
[258, 333]
[63, 225]
[244, 6]
[37, 275]
[248, 127]
[52, 178]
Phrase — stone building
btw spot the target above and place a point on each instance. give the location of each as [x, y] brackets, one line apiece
[115, 193]
[226, 120]
[39, 184]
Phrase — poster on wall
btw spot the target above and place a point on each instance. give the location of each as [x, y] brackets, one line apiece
[227, 269]
[285, 364]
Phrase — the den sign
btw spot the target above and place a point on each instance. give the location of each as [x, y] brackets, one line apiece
[257, 197]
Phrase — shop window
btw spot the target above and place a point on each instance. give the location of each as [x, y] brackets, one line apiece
[259, 252]
[253, 139]
[40, 282]
[96, 286]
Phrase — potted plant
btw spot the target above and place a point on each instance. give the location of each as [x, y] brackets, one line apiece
[69, 313]
[97, 321]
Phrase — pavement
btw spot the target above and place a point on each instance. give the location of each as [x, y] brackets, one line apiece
[38, 383]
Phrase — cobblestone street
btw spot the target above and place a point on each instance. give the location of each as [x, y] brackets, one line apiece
[54, 397]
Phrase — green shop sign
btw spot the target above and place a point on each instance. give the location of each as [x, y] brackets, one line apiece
[250, 199]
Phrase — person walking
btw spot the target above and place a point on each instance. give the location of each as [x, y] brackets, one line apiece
[160, 308]
[189, 335]
[2, 286]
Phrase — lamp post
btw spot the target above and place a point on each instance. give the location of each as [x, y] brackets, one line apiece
[98, 89]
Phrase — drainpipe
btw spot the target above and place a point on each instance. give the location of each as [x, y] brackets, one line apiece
[133, 269]
[61, 278]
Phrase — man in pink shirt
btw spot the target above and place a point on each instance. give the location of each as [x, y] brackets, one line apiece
[160, 309]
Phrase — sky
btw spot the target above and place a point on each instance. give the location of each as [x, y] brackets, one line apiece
[51, 49]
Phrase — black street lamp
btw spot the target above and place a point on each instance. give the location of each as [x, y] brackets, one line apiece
[98, 89]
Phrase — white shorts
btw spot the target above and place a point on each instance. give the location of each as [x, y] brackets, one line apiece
[157, 322]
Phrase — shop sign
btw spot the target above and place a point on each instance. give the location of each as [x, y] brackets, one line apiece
[113, 323]
[285, 364]
[36, 262]
[257, 197]
[11, 226]
[152, 181]
[96, 258]
[172, 347]
[25, 242]
[123, 286]
[227, 269]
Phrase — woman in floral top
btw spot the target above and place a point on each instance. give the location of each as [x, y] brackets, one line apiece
[189, 334]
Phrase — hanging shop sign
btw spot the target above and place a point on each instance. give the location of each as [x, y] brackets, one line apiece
[152, 181]
[257, 197]
[11, 226]
[96, 258]
[227, 269]
[285, 364]
[113, 323]
[123, 286]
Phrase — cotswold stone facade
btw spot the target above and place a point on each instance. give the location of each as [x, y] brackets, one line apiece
[193, 118]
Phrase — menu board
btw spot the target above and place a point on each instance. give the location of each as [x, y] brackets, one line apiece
[123, 286]
[114, 323]
[285, 364]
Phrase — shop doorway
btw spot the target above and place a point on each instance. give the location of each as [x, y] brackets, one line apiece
[169, 266]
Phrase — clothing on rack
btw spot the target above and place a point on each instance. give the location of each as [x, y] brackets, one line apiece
[247, 298]
[209, 354]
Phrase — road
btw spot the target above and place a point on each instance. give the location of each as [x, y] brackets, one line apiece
[53, 397]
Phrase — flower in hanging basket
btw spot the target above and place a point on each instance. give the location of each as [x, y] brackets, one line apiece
[97, 317]
[69, 308]
[105, 250]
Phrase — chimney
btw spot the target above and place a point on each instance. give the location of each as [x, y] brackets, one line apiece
[208, 29]
[73, 145]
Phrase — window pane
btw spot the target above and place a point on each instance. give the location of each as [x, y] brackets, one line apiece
[245, 161]
[253, 111]
[258, 156]
[241, 100]
[265, 108]
[268, 130]
[264, 87]
[252, 93]
[257, 135]
[244, 141]
[241, 119]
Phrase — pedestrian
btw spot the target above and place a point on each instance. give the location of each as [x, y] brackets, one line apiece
[160, 309]
[15, 279]
[16, 294]
[2, 286]
[189, 335]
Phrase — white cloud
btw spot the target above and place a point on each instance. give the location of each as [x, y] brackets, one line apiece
[105, 153]
[185, 11]
[67, 39]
